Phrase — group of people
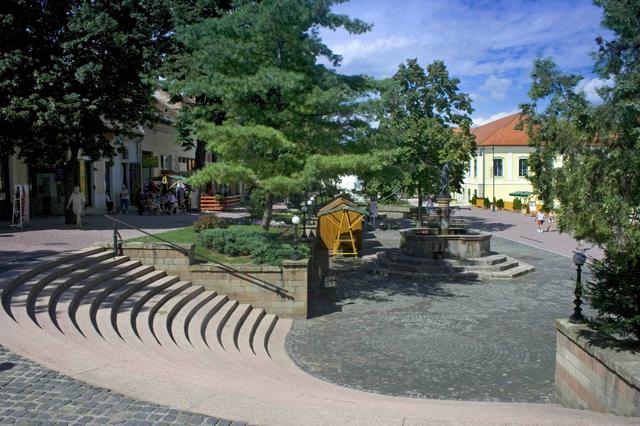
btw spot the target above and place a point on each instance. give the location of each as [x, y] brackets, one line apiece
[156, 199]
[542, 218]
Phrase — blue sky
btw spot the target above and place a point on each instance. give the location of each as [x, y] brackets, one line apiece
[489, 45]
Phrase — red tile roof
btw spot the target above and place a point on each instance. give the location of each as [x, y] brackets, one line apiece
[500, 132]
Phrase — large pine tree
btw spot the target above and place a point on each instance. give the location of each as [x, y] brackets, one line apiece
[285, 107]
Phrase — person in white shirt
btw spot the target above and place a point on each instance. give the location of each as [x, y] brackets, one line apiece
[77, 201]
[540, 220]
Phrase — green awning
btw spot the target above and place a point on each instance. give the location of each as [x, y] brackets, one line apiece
[521, 194]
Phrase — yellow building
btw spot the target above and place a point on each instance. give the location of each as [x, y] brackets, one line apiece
[500, 167]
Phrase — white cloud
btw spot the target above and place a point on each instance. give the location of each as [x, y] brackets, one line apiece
[496, 87]
[479, 121]
[356, 49]
[589, 86]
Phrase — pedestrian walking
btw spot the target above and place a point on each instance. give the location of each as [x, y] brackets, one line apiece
[77, 202]
[550, 220]
[540, 220]
[124, 199]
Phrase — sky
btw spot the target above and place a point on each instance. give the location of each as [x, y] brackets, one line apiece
[489, 45]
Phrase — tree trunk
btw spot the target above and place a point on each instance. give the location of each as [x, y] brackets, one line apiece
[201, 154]
[419, 216]
[268, 212]
[70, 178]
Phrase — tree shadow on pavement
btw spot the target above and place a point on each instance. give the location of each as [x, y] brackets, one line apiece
[485, 225]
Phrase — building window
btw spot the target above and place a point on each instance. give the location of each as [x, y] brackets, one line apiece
[523, 167]
[186, 164]
[475, 167]
[497, 166]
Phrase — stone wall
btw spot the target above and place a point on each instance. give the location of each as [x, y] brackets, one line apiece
[596, 373]
[281, 290]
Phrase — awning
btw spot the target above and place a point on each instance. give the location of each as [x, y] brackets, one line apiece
[521, 194]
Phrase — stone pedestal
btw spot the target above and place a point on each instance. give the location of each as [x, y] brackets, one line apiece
[443, 205]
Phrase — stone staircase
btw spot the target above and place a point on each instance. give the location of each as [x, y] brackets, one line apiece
[495, 266]
[115, 323]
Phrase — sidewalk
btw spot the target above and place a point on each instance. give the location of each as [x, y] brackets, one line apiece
[523, 229]
[47, 236]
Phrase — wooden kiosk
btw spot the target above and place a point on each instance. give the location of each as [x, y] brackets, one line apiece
[340, 226]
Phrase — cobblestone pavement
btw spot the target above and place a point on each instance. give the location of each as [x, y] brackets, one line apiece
[34, 395]
[491, 341]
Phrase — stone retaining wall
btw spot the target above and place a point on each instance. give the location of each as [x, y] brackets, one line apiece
[596, 373]
[281, 290]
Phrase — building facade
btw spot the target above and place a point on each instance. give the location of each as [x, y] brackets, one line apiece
[151, 152]
[501, 164]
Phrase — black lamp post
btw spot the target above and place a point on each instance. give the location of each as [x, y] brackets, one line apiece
[304, 220]
[579, 258]
[296, 221]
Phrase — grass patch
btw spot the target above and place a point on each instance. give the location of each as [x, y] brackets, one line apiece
[188, 236]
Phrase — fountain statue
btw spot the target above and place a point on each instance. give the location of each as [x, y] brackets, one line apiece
[445, 240]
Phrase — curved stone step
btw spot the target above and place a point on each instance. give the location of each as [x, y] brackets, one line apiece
[107, 314]
[179, 327]
[104, 301]
[158, 322]
[20, 295]
[200, 321]
[82, 306]
[65, 301]
[248, 332]
[148, 300]
[229, 334]
[39, 303]
[260, 342]
[215, 326]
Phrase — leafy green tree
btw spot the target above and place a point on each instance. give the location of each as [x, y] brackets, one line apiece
[419, 111]
[71, 72]
[178, 68]
[287, 115]
[598, 183]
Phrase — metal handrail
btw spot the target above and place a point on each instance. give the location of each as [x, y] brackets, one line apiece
[254, 280]
[115, 232]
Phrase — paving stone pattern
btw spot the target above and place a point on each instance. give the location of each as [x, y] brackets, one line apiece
[34, 395]
[490, 341]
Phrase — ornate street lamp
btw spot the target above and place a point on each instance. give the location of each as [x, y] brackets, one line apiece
[579, 258]
[296, 221]
[311, 203]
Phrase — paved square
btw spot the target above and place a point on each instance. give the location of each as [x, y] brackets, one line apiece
[490, 341]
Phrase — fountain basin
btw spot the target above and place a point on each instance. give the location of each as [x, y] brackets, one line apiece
[426, 242]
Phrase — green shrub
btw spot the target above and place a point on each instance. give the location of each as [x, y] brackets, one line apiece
[263, 247]
[517, 204]
[615, 287]
[474, 199]
[257, 202]
[500, 203]
[209, 222]
[486, 203]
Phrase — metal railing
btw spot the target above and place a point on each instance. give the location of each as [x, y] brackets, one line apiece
[116, 236]
[118, 250]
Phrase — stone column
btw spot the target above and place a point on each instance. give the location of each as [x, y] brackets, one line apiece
[443, 208]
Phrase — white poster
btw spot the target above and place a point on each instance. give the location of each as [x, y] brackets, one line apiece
[532, 206]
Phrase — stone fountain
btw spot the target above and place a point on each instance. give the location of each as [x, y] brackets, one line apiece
[445, 241]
